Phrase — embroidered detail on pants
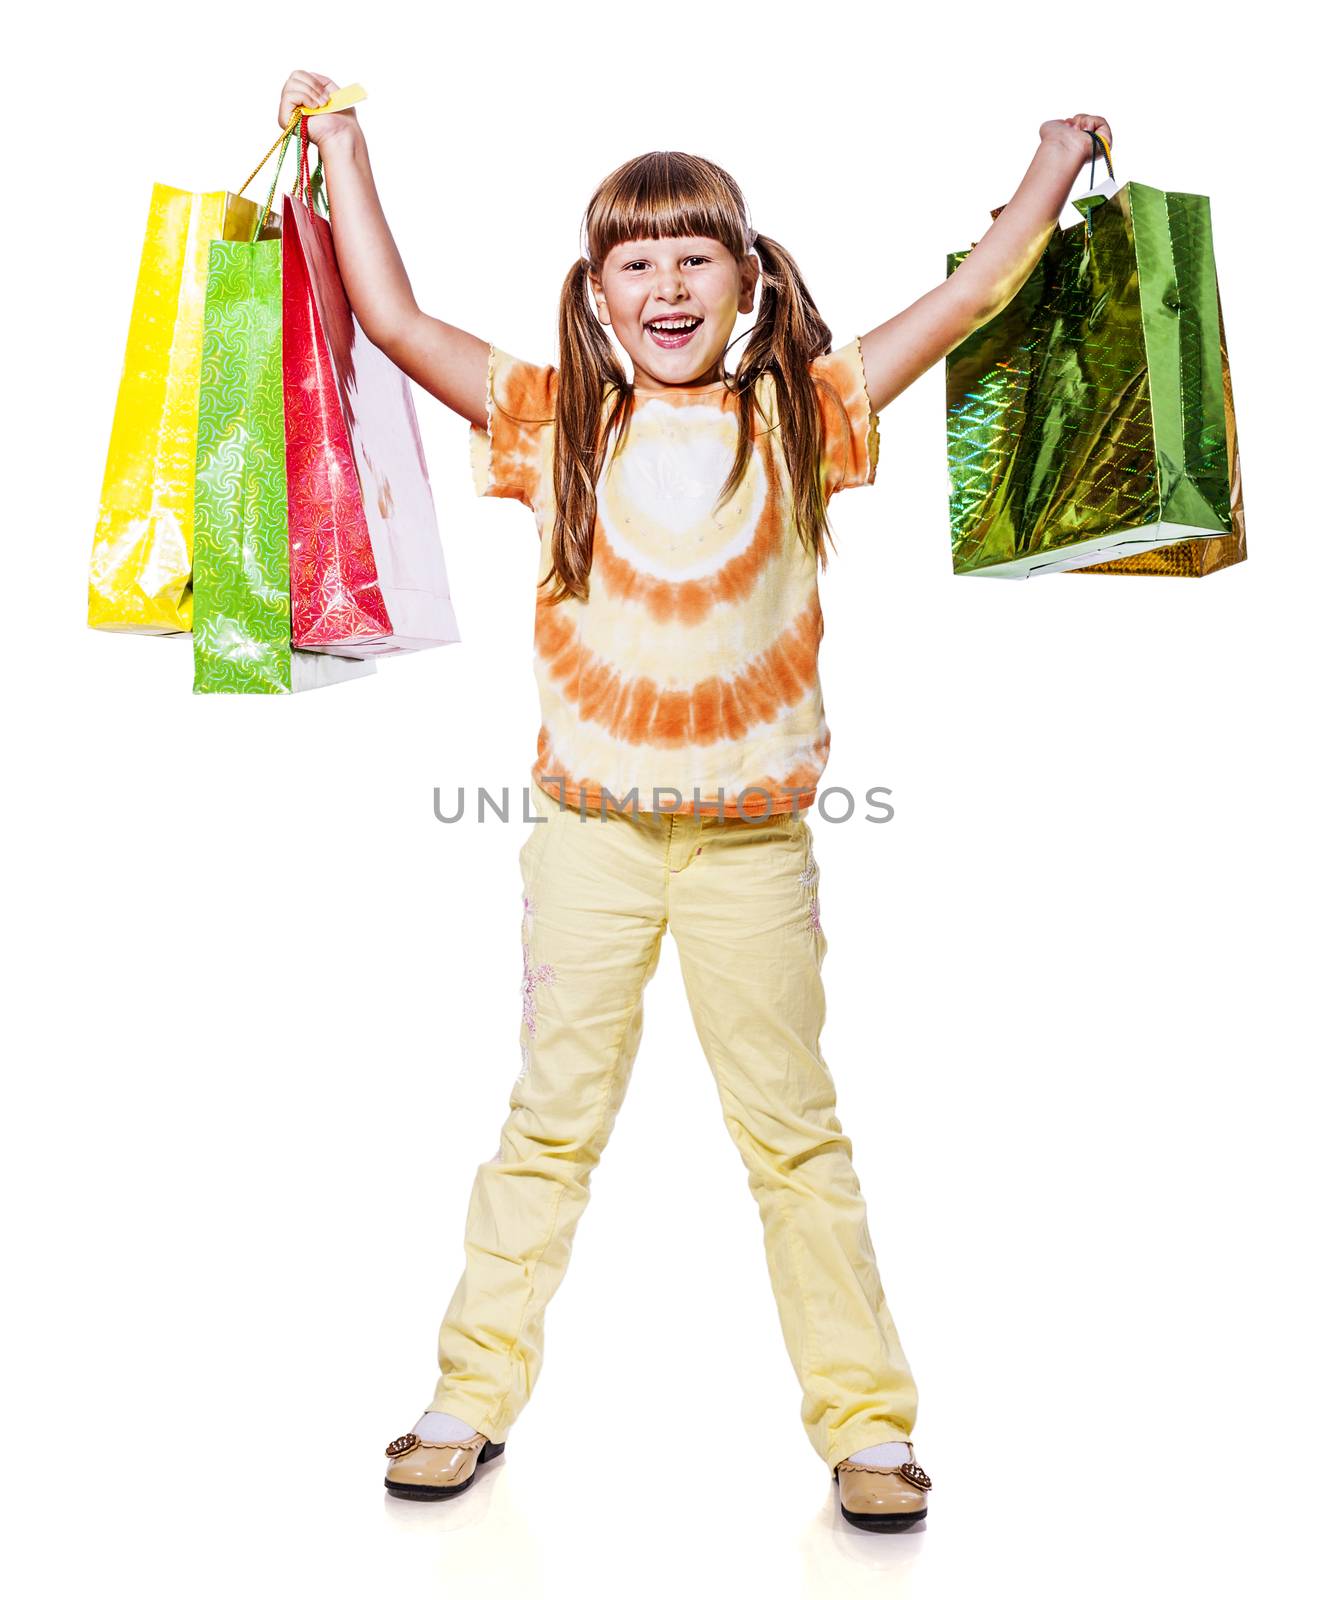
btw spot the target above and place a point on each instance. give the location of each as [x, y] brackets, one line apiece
[809, 877]
[532, 978]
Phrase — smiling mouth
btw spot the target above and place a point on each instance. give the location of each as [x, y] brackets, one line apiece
[670, 333]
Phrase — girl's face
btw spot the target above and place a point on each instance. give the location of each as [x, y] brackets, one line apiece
[645, 282]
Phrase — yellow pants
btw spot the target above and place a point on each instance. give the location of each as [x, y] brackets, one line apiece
[741, 900]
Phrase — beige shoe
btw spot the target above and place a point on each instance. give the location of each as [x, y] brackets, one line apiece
[883, 1499]
[419, 1470]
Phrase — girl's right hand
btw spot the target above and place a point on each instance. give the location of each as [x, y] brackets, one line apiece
[314, 89]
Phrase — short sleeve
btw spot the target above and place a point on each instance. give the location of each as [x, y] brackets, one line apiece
[510, 455]
[850, 444]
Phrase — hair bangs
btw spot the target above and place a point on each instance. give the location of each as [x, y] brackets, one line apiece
[667, 195]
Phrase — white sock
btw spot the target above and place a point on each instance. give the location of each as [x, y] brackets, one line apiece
[892, 1454]
[439, 1427]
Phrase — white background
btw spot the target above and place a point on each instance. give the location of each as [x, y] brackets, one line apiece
[266, 1008]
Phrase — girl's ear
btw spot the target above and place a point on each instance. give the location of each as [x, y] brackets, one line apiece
[748, 273]
[598, 295]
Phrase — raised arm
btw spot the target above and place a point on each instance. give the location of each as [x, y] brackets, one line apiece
[897, 352]
[446, 361]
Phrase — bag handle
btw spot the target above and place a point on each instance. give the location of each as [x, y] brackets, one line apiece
[310, 189]
[1086, 203]
[282, 144]
[347, 96]
[1099, 139]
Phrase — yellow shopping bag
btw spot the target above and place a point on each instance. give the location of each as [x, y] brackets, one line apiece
[141, 566]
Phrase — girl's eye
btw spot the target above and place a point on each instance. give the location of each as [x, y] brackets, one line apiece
[633, 264]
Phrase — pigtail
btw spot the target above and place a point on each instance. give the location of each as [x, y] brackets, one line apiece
[587, 366]
[788, 334]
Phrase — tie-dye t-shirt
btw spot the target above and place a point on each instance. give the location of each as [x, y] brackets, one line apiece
[691, 669]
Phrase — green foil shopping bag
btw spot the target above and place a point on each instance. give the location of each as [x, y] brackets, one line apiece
[1087, 420]
[241, 611]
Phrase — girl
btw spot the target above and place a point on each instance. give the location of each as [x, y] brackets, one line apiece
[682, 515]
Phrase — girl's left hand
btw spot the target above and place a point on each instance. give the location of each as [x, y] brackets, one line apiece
[1075, 134]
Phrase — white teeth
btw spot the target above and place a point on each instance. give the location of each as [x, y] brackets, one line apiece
[677, 326]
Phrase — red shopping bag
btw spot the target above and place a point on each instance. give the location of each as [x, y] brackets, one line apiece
[367, 575]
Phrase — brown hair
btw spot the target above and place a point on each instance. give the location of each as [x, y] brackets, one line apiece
[669, 195]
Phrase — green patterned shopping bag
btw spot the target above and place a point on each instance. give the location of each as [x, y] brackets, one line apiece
[241, 610]
[1088, 421]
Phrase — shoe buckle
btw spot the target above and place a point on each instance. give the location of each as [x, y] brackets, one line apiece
[402, 1445]
[915, 1474]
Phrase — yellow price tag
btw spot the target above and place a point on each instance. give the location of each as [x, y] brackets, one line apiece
[349, 95]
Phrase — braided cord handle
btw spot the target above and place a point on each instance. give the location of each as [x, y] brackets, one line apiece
[311, 191]
[275, 178]
[281, 144]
